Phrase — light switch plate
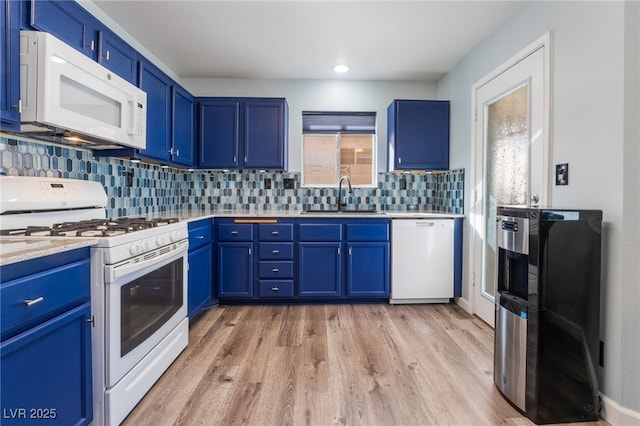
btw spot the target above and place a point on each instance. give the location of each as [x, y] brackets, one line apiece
[562, 174]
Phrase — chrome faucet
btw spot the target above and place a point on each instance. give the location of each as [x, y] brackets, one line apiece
[342, 204]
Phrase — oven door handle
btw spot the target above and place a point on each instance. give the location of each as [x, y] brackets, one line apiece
[158, 256]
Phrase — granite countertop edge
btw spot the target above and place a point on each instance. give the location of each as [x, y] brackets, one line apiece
[19, 249]
[195, 215]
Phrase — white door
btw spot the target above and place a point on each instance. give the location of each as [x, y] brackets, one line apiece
[510, 157]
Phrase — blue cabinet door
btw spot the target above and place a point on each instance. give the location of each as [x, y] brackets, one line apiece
[157, 85]
[235, 270]
[46, 372]
[265, 137]
[368, 269]
[116, 55]
[10, 65]
[69, 22]
[182, 127]
[320, 269]
[218, 133]
[200, 279]
[418, 135]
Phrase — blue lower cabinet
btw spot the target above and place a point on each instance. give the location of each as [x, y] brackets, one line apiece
[235, 270]
[320, 269]
[368, 269]
[200, 279]
[46, 372]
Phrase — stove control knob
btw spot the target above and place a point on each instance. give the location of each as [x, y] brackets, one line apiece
[175, 236]
[146, 246]
[161, 241]
[135, 249]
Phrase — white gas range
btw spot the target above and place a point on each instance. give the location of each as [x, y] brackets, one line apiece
[138, 282]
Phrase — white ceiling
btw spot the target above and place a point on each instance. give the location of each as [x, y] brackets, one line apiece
[303, 39]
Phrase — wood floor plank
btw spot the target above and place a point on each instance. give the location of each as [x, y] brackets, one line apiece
[332, 365]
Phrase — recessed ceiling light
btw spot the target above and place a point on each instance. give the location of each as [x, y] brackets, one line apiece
[341, 68]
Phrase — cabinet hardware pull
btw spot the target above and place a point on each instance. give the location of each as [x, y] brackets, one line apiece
[275, 289]
[399, 160]
[349, 251]
[338, 250]
[92, 45]
[275, 270]
[107, 56]
[275, 251]
[31, 302]
[200, 237]
[92, 320]
[234, 232]
[274, 232]
[249, 252]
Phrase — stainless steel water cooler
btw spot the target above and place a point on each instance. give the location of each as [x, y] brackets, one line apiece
[548, 312]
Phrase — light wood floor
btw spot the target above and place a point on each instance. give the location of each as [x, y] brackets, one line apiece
[331, 365]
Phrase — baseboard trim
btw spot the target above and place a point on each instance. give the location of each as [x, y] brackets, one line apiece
[618, 415]
[464, 304]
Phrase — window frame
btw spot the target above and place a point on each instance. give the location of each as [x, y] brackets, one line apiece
[338, 135]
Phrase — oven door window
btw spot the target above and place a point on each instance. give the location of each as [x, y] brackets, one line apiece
[148, 302]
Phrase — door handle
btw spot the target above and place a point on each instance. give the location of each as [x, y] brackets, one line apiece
[534, 199]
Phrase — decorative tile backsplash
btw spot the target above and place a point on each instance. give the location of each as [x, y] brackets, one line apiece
[137, 188]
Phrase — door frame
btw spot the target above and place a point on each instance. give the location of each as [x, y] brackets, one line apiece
[476, 217]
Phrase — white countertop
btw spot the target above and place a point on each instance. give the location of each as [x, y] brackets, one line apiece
[204, 214]
[18, 249]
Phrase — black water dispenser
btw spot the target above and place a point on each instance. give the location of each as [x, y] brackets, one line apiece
[548, 312]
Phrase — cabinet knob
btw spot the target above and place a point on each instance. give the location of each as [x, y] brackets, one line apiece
[275, 251]
[234, 232]
[275, 289]
[275, 270]
[274, 232]
[106, 55]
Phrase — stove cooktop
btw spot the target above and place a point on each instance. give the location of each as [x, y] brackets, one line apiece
[91, 228]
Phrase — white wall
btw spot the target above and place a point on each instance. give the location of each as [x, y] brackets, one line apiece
[589, 113]
[319, 95]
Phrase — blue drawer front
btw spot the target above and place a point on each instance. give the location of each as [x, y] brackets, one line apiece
[276, 288]
[60, 289]
[235, 232]
[275, 251]
[199, 234]
[276, 232]
[320, 232]
[276, 269]
[368, 232]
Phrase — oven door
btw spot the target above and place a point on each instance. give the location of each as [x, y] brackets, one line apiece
[146, 298]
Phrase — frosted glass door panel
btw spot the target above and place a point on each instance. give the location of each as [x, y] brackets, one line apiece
[507, 166]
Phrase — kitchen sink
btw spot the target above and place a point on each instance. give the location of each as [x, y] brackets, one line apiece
[334, 211]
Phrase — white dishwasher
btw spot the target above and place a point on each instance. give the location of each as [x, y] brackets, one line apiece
[421, 260]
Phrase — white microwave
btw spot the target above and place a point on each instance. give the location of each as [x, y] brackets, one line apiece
[69, 98]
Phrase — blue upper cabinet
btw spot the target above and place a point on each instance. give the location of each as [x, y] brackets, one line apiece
[10, 65]
[236, 133]
[118, 56]
[69, 22]
[418, 135]
[72, 24]
[182, 125]
[157, 85]
[265, 140]
[218, 138]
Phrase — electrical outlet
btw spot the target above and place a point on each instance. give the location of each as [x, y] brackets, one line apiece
[562, 174]
[403, 183]
[289, 183]
[267, 184]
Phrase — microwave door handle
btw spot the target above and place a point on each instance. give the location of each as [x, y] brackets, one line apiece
[134, 114]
